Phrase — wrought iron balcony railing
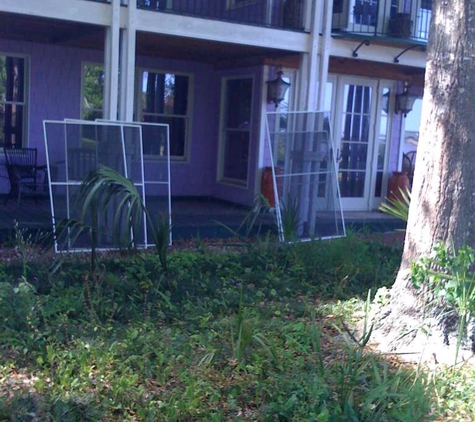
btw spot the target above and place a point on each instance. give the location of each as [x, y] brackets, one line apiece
[405, 19]
[282, 14]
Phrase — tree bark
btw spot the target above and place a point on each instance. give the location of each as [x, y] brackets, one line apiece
[443, 197]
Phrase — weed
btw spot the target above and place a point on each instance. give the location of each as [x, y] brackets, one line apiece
[449, 276]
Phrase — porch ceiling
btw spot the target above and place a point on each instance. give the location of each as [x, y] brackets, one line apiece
[218, 53]
[356, 67]
[50, 31]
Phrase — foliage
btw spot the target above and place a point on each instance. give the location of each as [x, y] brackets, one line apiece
[398, 207]
[449, 276]
[290, 214]
[105, 188]
[231, 336]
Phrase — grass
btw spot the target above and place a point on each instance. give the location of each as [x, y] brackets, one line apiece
[258, 335]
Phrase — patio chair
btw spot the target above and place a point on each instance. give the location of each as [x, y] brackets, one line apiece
[26, 177]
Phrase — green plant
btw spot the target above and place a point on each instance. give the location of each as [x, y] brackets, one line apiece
[26, 245]
[249, 225]
[398, 207]
[105, 188]
[449, 276]
[290, 215]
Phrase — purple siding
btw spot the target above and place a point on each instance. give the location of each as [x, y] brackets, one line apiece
[197, 175]
[55, 94]
[54, 88]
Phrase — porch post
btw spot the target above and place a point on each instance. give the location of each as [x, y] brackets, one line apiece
[127, 76]
[313, 71]
[262, 131]
[111, 63]
[327, 13]
[310, 70]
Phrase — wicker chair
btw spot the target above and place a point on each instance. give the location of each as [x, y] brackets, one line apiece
[26, 177]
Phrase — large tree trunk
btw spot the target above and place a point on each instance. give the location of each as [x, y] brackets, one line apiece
[443, 200]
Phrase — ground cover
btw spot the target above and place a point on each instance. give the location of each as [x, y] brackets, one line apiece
[251, 333]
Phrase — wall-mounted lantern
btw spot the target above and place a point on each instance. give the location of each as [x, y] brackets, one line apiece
[405, 101]
[277, 88]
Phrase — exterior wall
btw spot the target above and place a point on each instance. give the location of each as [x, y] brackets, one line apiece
[55, 84]
[55, 94]
[197, 175]
[54, 88]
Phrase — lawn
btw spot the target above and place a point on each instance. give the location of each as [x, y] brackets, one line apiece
[256, 333]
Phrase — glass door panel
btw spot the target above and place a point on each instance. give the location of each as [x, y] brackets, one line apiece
[356, 120]
[236, 130]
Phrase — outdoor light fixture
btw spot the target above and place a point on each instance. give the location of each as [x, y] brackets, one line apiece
[277, 88]
[405, 101]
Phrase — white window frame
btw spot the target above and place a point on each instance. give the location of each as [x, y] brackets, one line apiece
[26, 97]
[188, 118]
[222, 139]
[83, 71]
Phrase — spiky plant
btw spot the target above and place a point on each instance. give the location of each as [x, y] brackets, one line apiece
[398, 206]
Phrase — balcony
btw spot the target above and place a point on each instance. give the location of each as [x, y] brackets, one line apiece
[396, 20]
[279, 14]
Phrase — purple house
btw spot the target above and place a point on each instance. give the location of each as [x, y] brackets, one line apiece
[202, 66]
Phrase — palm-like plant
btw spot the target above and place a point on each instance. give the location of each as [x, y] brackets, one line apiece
[398, 206]
[104, 188]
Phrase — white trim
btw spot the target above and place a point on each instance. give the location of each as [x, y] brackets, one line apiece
[402, 131]
[221, 143]
[213, 30]
[127, 75]
[188, 117]
[375, 201]
[314, 58]
[324, 51]
[72, 10]
[112, 62]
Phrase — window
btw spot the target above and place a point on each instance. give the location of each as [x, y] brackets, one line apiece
[366, 12]
[164, 98]
[92, 91]
[155, 4]
[12, 101]
[236, 4]
[236, 129]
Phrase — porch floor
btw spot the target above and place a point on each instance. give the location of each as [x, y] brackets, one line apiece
[192, 217]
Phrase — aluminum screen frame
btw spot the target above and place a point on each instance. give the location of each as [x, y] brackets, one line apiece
[59, 171]
[148, 182]
[304, 173]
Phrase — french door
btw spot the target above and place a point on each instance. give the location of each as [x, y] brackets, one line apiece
[361, 138]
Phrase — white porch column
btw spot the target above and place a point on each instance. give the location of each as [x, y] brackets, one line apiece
[310, 67]
[325, 40]
[127, 76]
[111, 63]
